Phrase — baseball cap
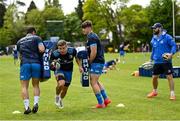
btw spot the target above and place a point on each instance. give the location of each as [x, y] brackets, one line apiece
[156, 25]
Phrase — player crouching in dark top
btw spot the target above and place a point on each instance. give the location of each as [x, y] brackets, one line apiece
[62, 65]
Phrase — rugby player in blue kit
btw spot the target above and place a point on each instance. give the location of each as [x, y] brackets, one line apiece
[30, 48]
[96, 62]
[62, 64]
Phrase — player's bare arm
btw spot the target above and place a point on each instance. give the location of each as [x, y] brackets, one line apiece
[93, 53]
[78, 61]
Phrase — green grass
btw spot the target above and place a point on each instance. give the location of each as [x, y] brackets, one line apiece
[120, 86]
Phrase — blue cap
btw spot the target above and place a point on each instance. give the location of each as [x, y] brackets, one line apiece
[156, 25]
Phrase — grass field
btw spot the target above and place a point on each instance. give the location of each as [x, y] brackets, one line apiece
[120, 86]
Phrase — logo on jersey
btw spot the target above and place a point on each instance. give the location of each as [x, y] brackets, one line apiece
[161, 42]
[70, 56]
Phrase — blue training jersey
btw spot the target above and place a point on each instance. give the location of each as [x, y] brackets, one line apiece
[66, 61]
[160, 45]
[121, 47]
[93, 40]
[28, 49]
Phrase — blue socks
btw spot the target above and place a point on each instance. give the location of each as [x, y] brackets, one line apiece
[103, 93]
[99, 99]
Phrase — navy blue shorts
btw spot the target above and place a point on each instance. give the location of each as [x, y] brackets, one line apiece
[122, 53]
[67, 75]
[96, 68]
[28, 71]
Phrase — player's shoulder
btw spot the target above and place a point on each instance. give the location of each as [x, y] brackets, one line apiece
[92, 35]
[20, 40]
[37, 37]
[56, 53]
[71, 50]
[168, 36]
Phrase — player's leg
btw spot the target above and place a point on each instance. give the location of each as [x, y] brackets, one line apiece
[104, 94]
[155, 82]
[171, 86]
[67, 79]
[157, 70]
[60, 85]
[60, 93]
[59, 88]
[95, 72]
[155, 85]
[122, 54]
[25, 75]
[36, 75]
[168, 68]
[96, 89]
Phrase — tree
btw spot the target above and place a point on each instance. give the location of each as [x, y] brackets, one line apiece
[72, 28]
[35, 18]
[79, 9]
[161, 11]
[56, 3]
[2, 13]
[53, 13]
[136, 24]
[13, 27]
[20, 3]
[31, 6]
[105, 14]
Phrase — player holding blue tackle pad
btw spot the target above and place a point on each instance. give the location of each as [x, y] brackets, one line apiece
[82, 55]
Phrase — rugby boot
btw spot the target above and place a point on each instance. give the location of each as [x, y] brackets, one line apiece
[172, 98]
[100, 106]
[107, 101]
[35, 108]
[27, 111]
[152, 94]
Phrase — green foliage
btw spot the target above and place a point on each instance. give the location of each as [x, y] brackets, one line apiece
[2, 13]
[135, 21]
[5, 38]
[161, 11]
[12, 29]
[92, 12]
[53, 13]
[108, 16]
[79, 9]
[105, 17]
[72, 28]
[35, 18]
[56, 3]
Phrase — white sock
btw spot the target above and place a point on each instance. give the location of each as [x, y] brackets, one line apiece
[36, 99]
[26, 103]
[57, 98]
[155, 90]
[172, 93]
